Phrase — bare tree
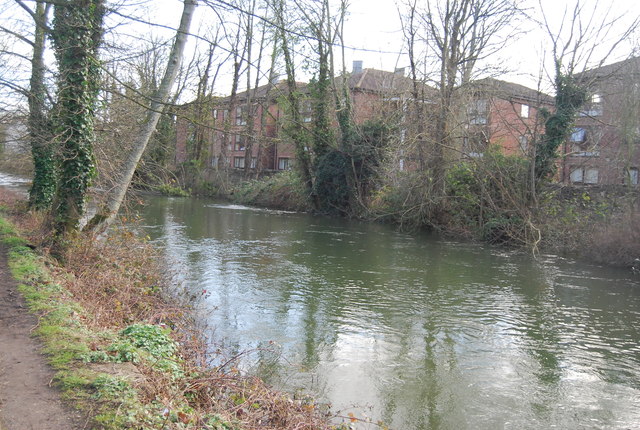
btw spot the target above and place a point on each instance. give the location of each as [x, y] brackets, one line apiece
[458, 34]
[294, 129]
[107, 213]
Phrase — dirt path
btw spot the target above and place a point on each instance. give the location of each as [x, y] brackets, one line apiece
[27, 401]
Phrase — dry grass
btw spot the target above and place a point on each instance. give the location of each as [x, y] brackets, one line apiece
[617, 242]
[120, 281]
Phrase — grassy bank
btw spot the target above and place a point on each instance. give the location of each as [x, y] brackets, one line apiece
[124, 352]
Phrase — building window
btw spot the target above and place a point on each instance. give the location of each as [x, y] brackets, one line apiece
[306, 111]
[214, 162]
[524, 111]
[594, 107]
[239, 143]
[579, 135]
[254, 162]
[477, 112]
[241, 115]
[284, 164]
[523, 141]
[584, 175]
[473, 146]
[238, 162]
[633, 175]
[591, 176]
[576, 176]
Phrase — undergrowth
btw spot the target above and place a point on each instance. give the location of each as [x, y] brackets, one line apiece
[126, 353]
[283, 190]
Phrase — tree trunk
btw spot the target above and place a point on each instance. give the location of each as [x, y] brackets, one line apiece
[43, 187]
[295, 130]
[77, 35]
[108, 212]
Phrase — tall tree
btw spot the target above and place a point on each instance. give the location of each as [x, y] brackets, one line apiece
[459, 33]
[77, 35]
[107, 213]
[294, 129]
[44, 178]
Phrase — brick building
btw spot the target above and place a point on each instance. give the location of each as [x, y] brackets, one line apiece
[503, 114]
[250, 131]
[604, 147]
[246, 132]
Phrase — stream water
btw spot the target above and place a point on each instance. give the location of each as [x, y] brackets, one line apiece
[416, 331]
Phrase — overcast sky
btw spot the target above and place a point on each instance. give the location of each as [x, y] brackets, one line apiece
[375, 26]
[374, 36]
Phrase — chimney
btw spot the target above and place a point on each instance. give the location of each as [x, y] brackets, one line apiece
[399, 71]
[357, 67]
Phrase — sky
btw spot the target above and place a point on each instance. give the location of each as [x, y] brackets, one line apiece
[373, 35]
[375, 26]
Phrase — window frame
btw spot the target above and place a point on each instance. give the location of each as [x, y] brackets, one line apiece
[284, 163]
[632, 174]
[238, 162]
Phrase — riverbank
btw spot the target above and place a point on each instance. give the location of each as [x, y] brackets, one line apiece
[598, 224]
[125, 352]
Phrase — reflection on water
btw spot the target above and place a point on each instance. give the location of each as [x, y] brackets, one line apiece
[418, 332]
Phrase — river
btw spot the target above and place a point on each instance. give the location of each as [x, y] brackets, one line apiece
[413, 330]
[416, 331]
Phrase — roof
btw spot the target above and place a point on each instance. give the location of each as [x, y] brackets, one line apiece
[630, 66]
[509, 90]
[261, 92]
[379, 81]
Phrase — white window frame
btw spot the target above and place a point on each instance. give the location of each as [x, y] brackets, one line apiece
[239, 143]
[585, 175]
[591, 176]
[241, 115]
[579, 135]
[577, 176]
[523, 141]
[478, 111]
[238, 162]
[524, 111]
[284, 163]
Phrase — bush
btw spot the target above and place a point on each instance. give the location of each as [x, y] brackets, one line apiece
[172, 191]
[283, 190]
[490, 198]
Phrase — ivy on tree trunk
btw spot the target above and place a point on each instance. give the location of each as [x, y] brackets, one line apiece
[44, 177]
[570, 96]
[77, 34]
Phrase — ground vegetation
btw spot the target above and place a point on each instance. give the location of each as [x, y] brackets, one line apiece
[126, 349]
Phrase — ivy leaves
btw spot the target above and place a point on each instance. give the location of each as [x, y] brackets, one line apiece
[77, 34]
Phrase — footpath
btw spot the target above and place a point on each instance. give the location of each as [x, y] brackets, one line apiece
[27, 400]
